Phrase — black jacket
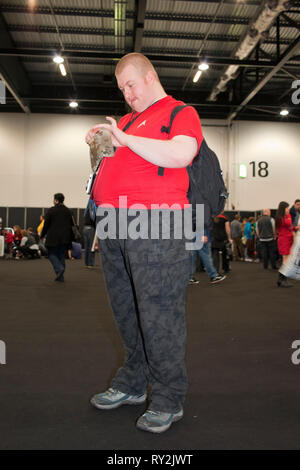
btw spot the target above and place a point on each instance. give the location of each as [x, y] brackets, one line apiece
[295, 216]
[58, 226]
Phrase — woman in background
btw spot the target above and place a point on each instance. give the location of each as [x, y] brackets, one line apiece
[285, 230]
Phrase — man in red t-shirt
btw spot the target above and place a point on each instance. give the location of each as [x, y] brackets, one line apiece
[146, 277]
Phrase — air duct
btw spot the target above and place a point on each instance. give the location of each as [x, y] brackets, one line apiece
[256, 31]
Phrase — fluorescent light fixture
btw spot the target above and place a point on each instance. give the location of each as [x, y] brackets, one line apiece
[58, 59]
[31, 4]
[197, 76]
[203, 66]
[242, 170]
[284, 112]
[62, 70]
[73, 104]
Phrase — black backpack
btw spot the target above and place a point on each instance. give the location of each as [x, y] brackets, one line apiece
[205, 175]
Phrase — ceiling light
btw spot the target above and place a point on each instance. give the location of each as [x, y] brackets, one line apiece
[31, 4]
[73, 104]
[58, 59]
[62, 70]
[203, 66]
[284, 112]
[197, 76]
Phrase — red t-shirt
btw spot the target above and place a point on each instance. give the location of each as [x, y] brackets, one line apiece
[128, 174]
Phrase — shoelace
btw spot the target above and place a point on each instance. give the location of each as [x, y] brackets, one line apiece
[155, 413]
[112, 391]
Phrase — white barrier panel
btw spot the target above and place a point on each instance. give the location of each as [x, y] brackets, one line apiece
[1, 245]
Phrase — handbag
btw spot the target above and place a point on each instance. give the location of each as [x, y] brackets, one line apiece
[291, 268]
[76, 234]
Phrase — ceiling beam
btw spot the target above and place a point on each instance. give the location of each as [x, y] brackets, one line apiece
[18, 99]
[101, 13]
[291, 50]
[292, 23]
[151, 15]
[99, 56]
[147, 34]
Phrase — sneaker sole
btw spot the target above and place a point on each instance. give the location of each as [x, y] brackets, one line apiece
[219, 280]
[129, 401]
[159, 429]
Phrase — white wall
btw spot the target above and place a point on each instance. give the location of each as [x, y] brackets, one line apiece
[278, 144]
[12, 154]
[216, 135]
[43, 154]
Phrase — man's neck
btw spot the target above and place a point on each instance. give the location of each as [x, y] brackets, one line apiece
[157, 98]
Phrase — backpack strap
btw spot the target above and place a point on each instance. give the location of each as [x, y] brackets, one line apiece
[167, 129]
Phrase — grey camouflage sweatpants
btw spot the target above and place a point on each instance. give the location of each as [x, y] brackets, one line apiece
[146, 282]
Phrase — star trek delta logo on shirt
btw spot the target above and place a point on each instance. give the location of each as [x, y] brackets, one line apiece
[142, 124]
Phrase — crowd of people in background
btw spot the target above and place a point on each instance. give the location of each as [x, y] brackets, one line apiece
[21, 243]
[29, 244]
[262, 239]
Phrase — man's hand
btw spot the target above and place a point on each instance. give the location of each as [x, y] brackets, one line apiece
[118, 137]
[177, 152]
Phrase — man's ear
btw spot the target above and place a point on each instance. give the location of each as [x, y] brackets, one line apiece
[150, 77]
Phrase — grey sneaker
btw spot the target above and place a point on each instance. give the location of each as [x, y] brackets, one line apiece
[217, 278]
[113, 398]
[157, 421]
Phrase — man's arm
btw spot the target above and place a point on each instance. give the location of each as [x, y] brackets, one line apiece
[257, 230]
[273, 227]
[228, 231]
[174, 153]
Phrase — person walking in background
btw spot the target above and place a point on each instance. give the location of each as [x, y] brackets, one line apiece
[220, 236]
[236, 235]
[266, 233]
[206, 258]
[285, 240]
[58, 231]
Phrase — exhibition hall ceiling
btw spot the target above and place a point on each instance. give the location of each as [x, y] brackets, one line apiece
[250, 50]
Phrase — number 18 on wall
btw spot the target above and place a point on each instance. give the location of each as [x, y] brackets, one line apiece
[260, 169]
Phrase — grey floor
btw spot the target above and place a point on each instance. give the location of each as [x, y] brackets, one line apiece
[62, 346]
